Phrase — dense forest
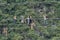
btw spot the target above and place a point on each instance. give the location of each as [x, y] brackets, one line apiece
[15, 30]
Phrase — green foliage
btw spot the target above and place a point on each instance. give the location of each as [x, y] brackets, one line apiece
[18, 31]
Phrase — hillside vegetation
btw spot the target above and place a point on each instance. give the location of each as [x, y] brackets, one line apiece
[35, 8]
